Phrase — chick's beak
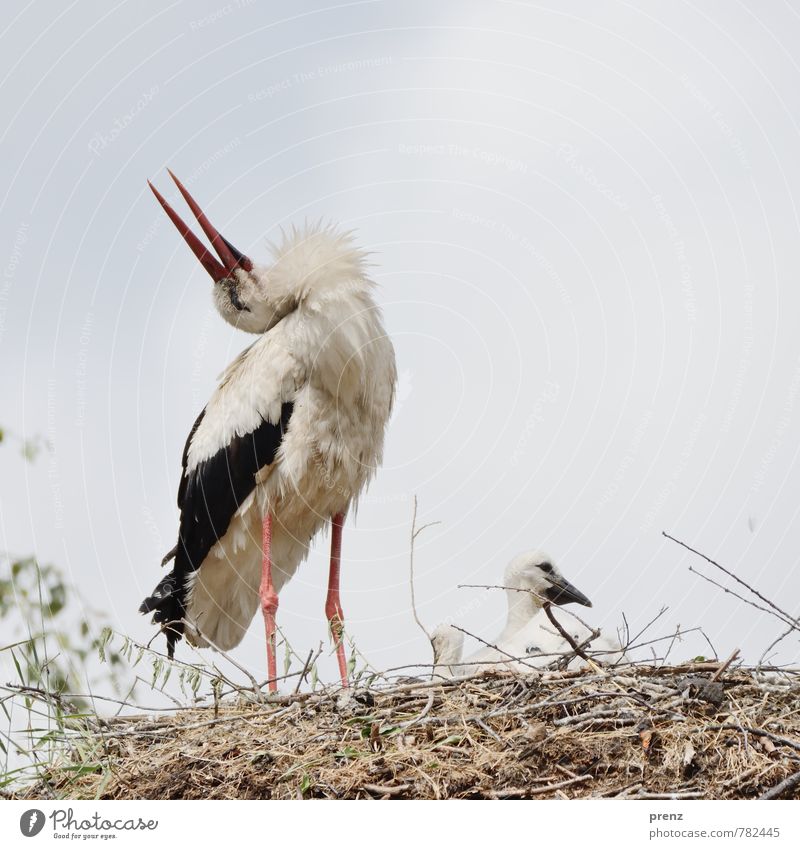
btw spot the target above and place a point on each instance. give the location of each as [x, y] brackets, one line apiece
[230, 257]
[562, 592]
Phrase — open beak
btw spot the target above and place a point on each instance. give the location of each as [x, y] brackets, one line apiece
[562, 592]
[229, 258]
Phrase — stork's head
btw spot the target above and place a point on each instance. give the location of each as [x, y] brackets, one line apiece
[316, 269]
[535, 571]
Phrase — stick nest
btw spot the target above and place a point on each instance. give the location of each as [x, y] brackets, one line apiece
[630, 732]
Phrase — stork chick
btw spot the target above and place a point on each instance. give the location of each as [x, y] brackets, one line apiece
[531, 579]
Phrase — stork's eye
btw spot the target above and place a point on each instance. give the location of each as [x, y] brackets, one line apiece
[233, 294]
[545, 567]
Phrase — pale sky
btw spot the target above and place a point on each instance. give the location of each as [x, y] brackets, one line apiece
[585, 233]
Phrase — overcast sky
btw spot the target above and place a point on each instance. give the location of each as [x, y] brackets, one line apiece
[585, 232]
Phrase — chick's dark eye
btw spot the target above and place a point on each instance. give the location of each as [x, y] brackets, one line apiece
[546, 567]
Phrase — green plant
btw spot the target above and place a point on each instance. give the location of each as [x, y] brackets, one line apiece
[51, 631]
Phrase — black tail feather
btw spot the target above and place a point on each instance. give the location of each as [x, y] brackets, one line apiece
[170, 555]
[167, 606]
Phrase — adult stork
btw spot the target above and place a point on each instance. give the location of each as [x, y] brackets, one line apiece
[287, 441]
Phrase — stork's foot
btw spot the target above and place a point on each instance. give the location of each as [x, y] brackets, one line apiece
[336, 625]
[269, 607]
[342, 663]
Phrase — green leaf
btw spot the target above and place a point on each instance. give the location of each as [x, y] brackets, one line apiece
[448, 741]
[348, 752]
[102, 641]
[17, 667]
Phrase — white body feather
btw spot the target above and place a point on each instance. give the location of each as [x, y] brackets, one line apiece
[540, 644]
[528, 640]
[333, 360]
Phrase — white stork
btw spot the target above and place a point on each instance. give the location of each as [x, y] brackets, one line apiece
[287, 441]
[448, 647]
[530, 580]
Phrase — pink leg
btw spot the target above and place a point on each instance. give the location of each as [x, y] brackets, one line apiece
[333, 605]
[269, 599]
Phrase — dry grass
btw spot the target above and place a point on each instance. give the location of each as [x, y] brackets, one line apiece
[633, 732]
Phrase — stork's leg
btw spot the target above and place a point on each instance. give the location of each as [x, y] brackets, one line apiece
[269, 598]
[333, 605]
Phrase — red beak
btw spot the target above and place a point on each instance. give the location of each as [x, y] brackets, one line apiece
[231, 258]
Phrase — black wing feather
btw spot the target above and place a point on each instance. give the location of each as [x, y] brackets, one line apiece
[208, 498]
[182, 485]
[185, 457]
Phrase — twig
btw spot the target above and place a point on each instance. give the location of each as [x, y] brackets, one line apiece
[220, 720]
[385, 790]
[779, 789]
[617, 792]
[486, 730]
[663, 639]
[483, 663]
[741, 598]
[422, 714]
[46, 696]
[787, 616]
[305, 670]
[564, 771]
[415, 532]
[718, 674]
[646, 627]
[671, 644]
[549, 788]
[501, 587]
[741, 779]
[760, 732]
[774, 643]
[568, 637]
[224, 654]
[625, 630]
[710, 644]
[687, 794]
[570, 612]
[589, 716]
[210, 673]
